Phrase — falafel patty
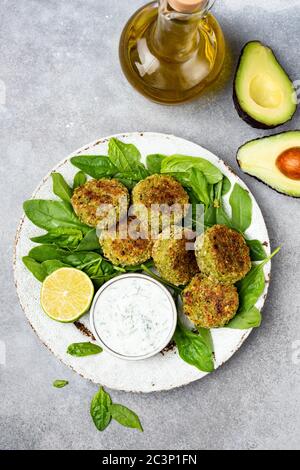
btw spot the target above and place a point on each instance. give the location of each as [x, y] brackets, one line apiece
[208, 303]
[171, 256]
[124, 248]
[222, 253]
[161, 190]
[87, 199]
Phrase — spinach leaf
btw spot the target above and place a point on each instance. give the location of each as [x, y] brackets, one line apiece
[195, 349]
[126, 158]
[215, 212]
[222, 218]
[99, 409]
[50, 215]
[182, 163]
[53, 265]
[123, 156]
[131, 179]
[154, 162]
[207, 338]
[82, 259]
[90, 242]
[226, 187]
[210, 216]
[246, 319]
[251, 288]
[257, 251]
[199, 186]
[60, 383]
[241, 205]
[97, 166]
[253, 285]
[47, 252]
[79, 179]
[89, 261]
[63, 237]
[83, 349]
[35, 268]
[61, 187]
[125, 417]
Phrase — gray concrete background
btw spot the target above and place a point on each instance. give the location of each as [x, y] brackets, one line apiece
[64, 88]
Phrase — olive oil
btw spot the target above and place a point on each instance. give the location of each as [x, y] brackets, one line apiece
[170, 56]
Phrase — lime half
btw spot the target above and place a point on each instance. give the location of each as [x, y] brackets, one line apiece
[67, 294]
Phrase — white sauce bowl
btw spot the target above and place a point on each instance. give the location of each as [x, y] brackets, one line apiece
[133, 317]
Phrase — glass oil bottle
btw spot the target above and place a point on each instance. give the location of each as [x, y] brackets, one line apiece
[172, 50]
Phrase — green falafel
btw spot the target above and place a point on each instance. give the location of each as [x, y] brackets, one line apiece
[165, 192]
[128, 245]
[222, 253]
[208, 303]
[88, 198]
[172, 257]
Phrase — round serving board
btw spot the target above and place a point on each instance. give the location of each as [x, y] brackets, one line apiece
[166, 370]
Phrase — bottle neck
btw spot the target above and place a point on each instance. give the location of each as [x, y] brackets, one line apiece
[176, 35]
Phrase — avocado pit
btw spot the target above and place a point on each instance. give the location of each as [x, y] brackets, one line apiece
[288, 163]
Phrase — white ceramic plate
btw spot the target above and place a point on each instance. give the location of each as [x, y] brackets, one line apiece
[164, 371]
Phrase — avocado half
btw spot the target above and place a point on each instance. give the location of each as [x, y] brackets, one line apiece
[274, 160]
[263, 93]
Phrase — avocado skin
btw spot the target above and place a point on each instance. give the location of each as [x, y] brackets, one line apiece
[243, 115]
[255, 177]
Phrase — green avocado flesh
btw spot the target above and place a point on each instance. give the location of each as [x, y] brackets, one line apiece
[260, 158]
[263, 91]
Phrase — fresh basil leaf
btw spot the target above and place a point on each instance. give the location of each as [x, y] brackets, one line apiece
[83, 349]
[99, 409]
[79, 179]
[194, 349]
[246, 319]
[182, 163]
[35, 268]
[61, 187]
[97, 166]
[63, 237]
[257, 251]
[125, 417]
[253, 285]
[199, 186]
[154, 162]
[53, 265]
[241, 205]
[60, 383]
[90, 242]
[50, 215]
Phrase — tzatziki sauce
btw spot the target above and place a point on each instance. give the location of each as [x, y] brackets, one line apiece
[133, 316]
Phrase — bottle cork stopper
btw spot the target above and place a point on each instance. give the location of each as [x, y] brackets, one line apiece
[187, 6]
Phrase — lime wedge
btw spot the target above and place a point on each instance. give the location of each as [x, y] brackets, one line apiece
[66, 294]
